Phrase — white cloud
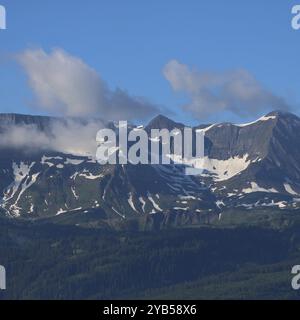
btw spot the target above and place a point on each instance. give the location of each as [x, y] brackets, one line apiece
[66, 136]
[236, 91]
[65, 85]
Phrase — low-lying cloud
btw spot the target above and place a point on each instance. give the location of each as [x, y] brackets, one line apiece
[65, 136]
[64, 85]
[236, 91]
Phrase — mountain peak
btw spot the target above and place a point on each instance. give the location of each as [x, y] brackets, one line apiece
[280, 113]
[161, 117]
[163, 122]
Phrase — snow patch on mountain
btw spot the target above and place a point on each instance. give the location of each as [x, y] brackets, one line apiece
[26, 185]
[88, 175]
[256, 188]
[220, 204]
[74, 193]
[45, 159]
[221, 170]
[75, 162]
[155, 205]
[143, 202]
[60, 211]
[204, 130]
[130, 202]
[182, 209]
[289, 189]
[21, 172]
[264, 118]
[118, 213]
[226, 169]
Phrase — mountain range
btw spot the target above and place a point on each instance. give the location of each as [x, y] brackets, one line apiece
[247, 166]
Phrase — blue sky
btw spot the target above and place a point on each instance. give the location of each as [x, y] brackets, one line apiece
[129, 42]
